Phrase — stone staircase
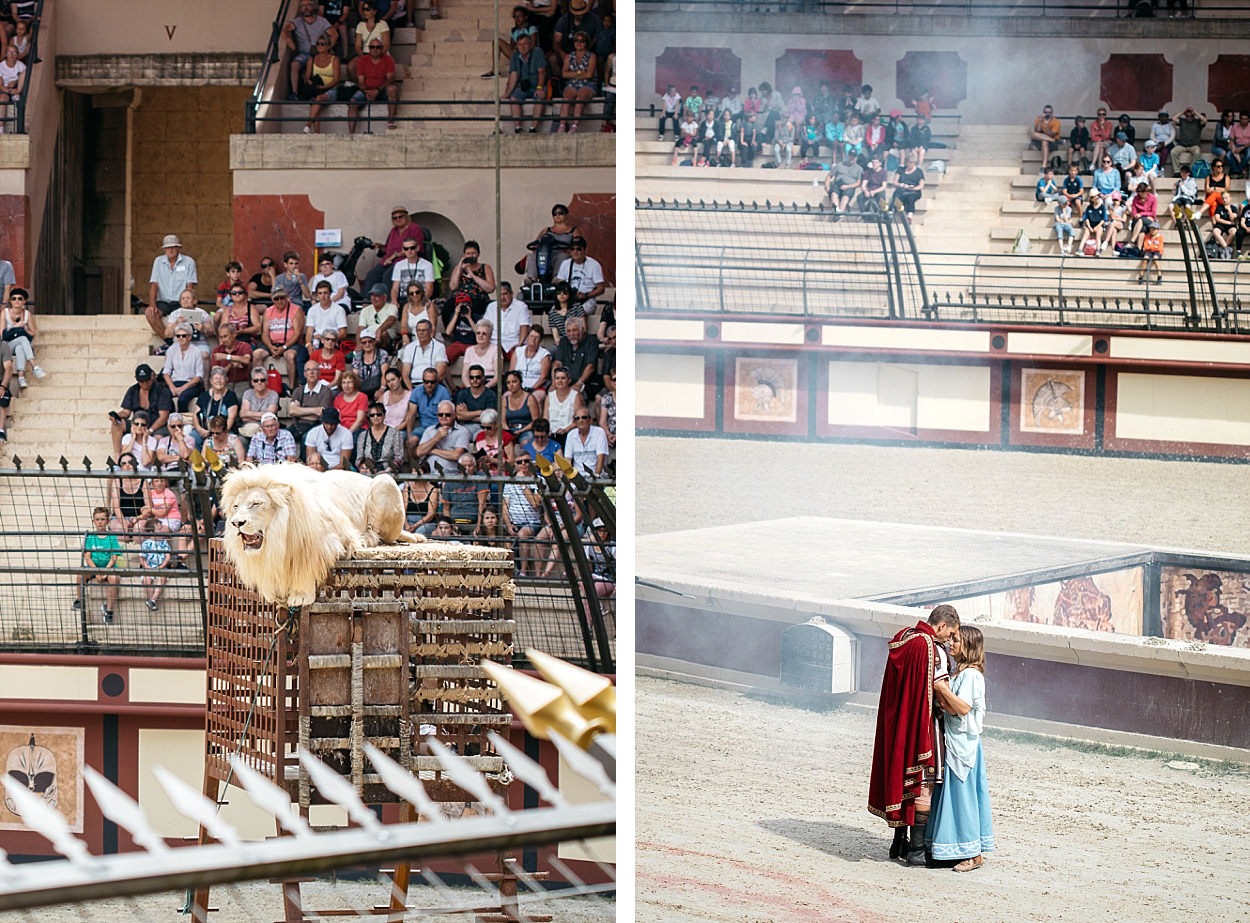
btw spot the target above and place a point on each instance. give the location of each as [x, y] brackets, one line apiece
[90, 361]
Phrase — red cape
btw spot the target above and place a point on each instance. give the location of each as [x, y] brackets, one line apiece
[904, 747]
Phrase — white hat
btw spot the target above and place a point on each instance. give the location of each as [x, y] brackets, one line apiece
[369, 333]
[171, 240]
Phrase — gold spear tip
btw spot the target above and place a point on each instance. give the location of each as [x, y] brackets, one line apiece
[197, 461]
[592, 695]
[541, 706]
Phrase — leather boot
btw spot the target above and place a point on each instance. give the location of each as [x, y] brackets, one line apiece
[898, 849]
[916, 850]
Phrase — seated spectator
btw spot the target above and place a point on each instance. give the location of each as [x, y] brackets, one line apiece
[393, 396]
[872, 187]
[909, 187]
[1095, 225]
[176, 445]
[139, 442]
[155, 557]
[586, 446]
[444, 530]
[521, 25]
[369, 362]
[609, 94]
[383, 316]
[866, 104]
[402, 229]
[809, 140]
[579, 69]
[1106, 179]
[579, 18]
[607, 407]
[1149, 162]
[473, 278]
[231, 356]
[1079, 144]
[1047, 190]
[562, 402]
[190, 314]
[533, 362]
[874, 139]
[225, 446]
[492, 439]
[527, 84]
[1064, 231]
[1215, 186]
[1239, 146]
[563, 309]
[281, 337]
[12, 81]
[1100, 132]
[323, 82]
[843, 183]
[1185, 196]
[1152, 252]
[371, 27]
[584, 274]
[256, 403]
[101, 552]
[323, 315]
[520, 408]
[272, 444]
[1073, 191]
[578, 354]
[1163, 134]
[423, 353]
[172, 273]
[920, 137]
[412, 269]
[1143, 207]
[376, 78]
[218, 400]
[706, 135]
[522, 515]
[542, 445]
[444, 443]
[338, 14]
[474, 398]
[245, 317]
[380, 444]
[749, 142]
[513, 314]
[351, 402]
[725, 144]
[1045, 133]
[421, 407]
[670, 108]
[1125, 125]
[481, 356]
[601, 555]
[466, 496]
[163, 506]
[300, 37]
[292, 281]
[184, 368]
[308, 401]
[1123, 155]
[331, 441]
[686, 137]
[1117, 221]
[338, 283]
[22, 38]
[783, 142]
[489, 531]
[1188, 147]
[329, 357]
[126, 496]
[1221, 140]
[260, 286]
[553, 243]
[148, 394]
[1224, 226]
[19, 333]
[422, 503]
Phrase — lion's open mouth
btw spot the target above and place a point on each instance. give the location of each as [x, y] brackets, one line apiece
[253, 541]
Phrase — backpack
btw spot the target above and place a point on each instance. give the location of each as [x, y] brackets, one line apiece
[1200, 169]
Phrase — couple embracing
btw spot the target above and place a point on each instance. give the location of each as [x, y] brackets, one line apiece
[928, 771]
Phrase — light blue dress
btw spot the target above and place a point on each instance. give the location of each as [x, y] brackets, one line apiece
[960, 826]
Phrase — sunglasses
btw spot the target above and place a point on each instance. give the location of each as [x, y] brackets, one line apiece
[583, 417]
[259, 381]
[429, 381]
[377, 415]
[560, 211]
[443, 415]
[175, 426]
[410, 248]
[182, 336]
[476, 377]
[522, 461]
[266, 265]
[237, 291]
[17, 297]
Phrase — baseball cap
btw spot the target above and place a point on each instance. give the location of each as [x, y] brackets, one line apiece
[143, 373]
[379, 289]
[330, 415]
[1121, 136]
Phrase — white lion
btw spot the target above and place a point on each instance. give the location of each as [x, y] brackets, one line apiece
[286, 525]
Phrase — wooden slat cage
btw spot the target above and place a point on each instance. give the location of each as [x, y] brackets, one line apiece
[389, 653]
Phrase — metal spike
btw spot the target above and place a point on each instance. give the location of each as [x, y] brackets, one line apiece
[190, 803]
[17, 463]
[86, 463]
[268, 797]
[110, 463]
[64, 463]
[334, 787]
[39, 460]
[526, 770]
[46, 821]
[124, 811]
[466, 776]
[404, 784]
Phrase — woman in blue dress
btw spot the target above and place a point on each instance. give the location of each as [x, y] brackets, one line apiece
[959, 825]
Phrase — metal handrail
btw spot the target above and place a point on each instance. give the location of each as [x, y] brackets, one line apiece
[1084, 10]
[19, 116]
[254, 121]
[273, 55]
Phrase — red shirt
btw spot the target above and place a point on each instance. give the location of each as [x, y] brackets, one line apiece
[329, 366]
[371, 74]
[235, 371]
[351, 410]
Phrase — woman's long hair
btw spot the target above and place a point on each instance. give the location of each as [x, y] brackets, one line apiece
[971, 648]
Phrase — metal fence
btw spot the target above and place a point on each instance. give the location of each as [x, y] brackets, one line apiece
[1079, 9]
[53, 596]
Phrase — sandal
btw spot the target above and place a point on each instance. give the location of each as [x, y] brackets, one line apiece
[969, 865]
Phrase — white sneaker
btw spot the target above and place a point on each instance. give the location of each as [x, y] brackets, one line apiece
[39, 372]
[21, 381]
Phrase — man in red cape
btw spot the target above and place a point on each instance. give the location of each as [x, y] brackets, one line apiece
[907, 756]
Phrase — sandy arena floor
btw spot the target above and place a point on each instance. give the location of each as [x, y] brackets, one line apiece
[753, 811]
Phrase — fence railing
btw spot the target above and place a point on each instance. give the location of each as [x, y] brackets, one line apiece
[55, 598]
[1083, 9]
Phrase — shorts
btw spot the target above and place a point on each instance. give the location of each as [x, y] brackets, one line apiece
[167, 307]
[525, 96]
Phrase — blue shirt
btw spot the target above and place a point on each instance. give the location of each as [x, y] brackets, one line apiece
[427, 405]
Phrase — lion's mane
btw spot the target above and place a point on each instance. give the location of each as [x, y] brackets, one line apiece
[310, 520]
